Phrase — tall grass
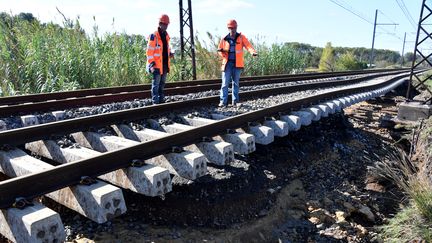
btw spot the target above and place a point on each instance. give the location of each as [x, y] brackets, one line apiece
[415, 219]
[37, 57]
[428, 82]
[407, 226]
[273, 59]
[207, 59]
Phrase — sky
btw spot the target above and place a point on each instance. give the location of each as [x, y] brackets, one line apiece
[346, 23]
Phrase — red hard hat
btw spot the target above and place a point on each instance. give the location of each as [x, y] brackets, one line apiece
[232, 23]
[164, 19]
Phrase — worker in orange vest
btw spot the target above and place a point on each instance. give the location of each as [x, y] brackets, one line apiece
[231, 50]
[158, 59]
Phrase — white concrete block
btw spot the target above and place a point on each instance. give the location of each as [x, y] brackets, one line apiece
[263, 135]
[196, 121]
[294, 122]
[59, 115]
[148, 180]
[243, 143]
[3, 126]
[338, 105]
[332, 107]
[32, 224]
[99, 202]
[344, 102]
[216, 152]
[305, 117]
[189, 165]
[315, 112]
[280, 128]
[324, 110]
[29, 120]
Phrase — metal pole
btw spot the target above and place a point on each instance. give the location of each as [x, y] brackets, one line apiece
[187, 45]
[192, 40]
[182, 49]
[415, 51]
[373, 39]
[403, 50]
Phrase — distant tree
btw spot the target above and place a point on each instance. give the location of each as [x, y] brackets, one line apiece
[175, 44]
[311, 54]
[347, 61]
[26, 16]
[408, 57]
[10, 21]
[327, 61]
[387, 56]
[316, 56]
[361, 53]
[4, 17]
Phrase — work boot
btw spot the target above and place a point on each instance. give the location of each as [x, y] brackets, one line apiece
[221, 104]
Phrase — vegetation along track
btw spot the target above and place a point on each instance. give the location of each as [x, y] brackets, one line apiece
[69, 174]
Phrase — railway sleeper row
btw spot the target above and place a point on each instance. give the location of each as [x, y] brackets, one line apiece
[100, 201]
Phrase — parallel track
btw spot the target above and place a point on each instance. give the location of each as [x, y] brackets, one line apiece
[72, 99]
[14, 100]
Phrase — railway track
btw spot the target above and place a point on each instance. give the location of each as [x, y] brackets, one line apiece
[143, 159]
[26, 104]
[11, 100]
[63, 100]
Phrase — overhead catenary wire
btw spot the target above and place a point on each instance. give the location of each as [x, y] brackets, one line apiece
[351, 10]
[357, 13]
[406, 12]
[393, 22]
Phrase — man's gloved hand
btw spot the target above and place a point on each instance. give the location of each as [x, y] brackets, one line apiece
[151, 67]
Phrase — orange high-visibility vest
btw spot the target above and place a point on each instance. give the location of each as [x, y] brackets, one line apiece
[241, 41]
[154, 51]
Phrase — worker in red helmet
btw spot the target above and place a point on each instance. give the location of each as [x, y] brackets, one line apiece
[231, 50]
[158, 59]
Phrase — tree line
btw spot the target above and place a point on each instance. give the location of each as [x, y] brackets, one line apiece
[332, 58]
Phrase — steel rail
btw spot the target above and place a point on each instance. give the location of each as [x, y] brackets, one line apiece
[37, 184]
[10, 100]
[27, 134]
[119, 97]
